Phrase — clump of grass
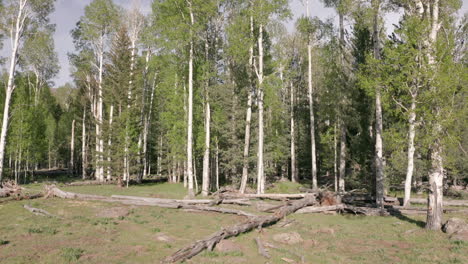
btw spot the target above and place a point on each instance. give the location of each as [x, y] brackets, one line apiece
[138, 221]
[104, 221]
[155, 230]
[71, 254]
[4, 242]
[42, 230]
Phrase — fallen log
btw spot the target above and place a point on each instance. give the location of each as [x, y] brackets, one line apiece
[445, 202]
[10, 188]
[38, 211]
[271, 196]
[368, 211]
[255, 222]
[320, 209]
[165, 203]
[206, 201]
[261, 249]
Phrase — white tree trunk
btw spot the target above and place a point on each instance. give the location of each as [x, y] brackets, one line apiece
[436, 175]
[411, 149]
[99, 118]
[335, 158]
[16, 32]
[293, 138]
[109, 144]
[260, 169]
[248, 118]
[341, 183]
[83, 146]
[311, 109]
[206, 156]
[379, 165]
[190, 111]
[72, 149]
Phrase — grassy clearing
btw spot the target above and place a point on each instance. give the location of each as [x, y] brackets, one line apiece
[86, 234]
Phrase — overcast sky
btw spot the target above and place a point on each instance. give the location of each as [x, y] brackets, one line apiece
[68, 12]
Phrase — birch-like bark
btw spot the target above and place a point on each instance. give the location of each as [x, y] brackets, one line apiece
[206, 155]
[109, 144]
[379, 166]
[341, 183]
[84, 164]
[293, 138]
[436, 175]
[217, 165]
[248, 118]
[311, 108]
[99, 116]
[411, 149]
[335, 158]
[260, 169]
[72, 149]
[190, 109]
[16, 32]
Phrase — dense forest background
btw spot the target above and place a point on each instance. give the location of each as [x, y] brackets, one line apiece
[218, 92]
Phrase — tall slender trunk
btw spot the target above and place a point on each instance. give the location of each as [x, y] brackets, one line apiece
[260, 169]
[72, 149]
[311, 108]
[99, 118]
[341, 122]
[293, 138]
[206, 155]
[248, 118]
[190, 109]
[16, 33]
[217, 165]
[84, 164]
[341, 183]
[436, 175]
[379, 165]
[411, 149]
[335, 158]
[109, 144]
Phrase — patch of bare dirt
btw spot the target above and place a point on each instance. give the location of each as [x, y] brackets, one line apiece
[288, 238]
[113, 212]
[164, 238]
[227, 246]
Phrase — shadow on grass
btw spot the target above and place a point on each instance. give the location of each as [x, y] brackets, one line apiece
[402, 217]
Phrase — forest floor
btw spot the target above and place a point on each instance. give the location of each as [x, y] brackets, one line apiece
[99, 232]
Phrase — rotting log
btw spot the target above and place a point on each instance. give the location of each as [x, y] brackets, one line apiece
[271, 196]
[165, 203]
[320, 209]
[10, 188]
[205, 201]
[255, 222]
[368, 211]
[38, 211]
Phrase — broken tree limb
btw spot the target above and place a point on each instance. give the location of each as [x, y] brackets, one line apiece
[215, 209]
[261, 249]
[38, 211]
[255, 222]
[320, 209]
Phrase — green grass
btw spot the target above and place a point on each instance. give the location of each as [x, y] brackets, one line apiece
[80, 236]
[285, 187]
[71, 254]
